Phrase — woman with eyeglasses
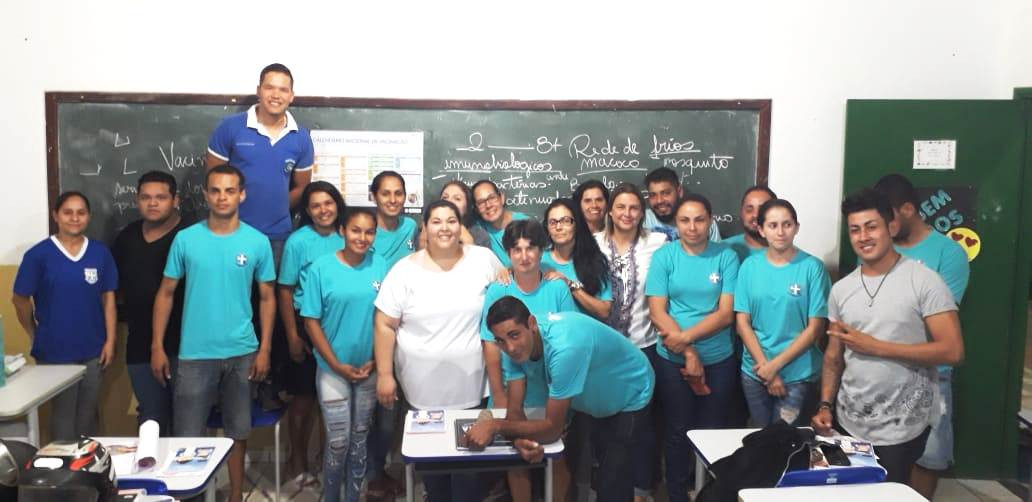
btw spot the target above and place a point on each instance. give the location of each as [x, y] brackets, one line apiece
[575, 258]
[494, 216]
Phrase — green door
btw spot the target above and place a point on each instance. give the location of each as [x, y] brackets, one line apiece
[987, 192]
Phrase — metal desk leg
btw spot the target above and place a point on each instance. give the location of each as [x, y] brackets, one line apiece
[549, 480]
[33, 426]
[410, 482]
[209, 491]
[700, 473]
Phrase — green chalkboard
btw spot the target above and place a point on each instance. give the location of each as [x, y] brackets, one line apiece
[535, 150]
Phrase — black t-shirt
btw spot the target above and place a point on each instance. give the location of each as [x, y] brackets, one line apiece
[140, 269]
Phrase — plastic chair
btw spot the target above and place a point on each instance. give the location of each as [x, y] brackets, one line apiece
[259, 418]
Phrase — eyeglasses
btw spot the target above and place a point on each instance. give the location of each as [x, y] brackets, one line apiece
[490, 199]
[565, 221]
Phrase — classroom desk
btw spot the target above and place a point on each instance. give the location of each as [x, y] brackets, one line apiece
[895, 492]
[1025, 418]
[438, 452]
[711, 445]
[177, 486]
[32, 386]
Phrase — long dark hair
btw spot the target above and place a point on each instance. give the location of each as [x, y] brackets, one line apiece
[470, 216]
[328, 189]
[588, 261]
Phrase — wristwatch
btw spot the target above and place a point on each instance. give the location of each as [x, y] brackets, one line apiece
[825, 404]
[575, 285]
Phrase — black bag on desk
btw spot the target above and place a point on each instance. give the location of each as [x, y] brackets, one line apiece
[764, 457]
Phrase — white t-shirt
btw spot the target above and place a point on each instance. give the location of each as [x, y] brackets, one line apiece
[640, 330]
[437, 354]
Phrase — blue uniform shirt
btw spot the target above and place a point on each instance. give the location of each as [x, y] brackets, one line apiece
[570, 272]
[393, 245]
[781, 300]
[549, 297]
[741, 248]
[693, 286]
[341, 298]
[496, 234]
[267, 164]
[219, 271]
[593, 365]
[67, 294]
[303, 247]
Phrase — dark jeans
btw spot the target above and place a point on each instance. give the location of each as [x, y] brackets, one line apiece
[899, 459]
[154, 401]
[454, 487]
[644, 452]
[381, 439]
[684, 411]
[617, 447]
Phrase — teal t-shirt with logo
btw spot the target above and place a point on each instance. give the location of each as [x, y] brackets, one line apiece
[781, 300]
[593, 365]
[741, 248]
[495, 235]
[393, 245]
[341, 298]
[946, 257]
[567, 269]
[219, 271]
[549, 297]
[693, 286]
[303, 247]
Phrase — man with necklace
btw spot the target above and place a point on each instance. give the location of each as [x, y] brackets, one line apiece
[892, 320]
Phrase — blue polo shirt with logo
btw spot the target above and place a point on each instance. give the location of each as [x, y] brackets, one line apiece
[267, 164]
[67, 294]
[217, 306]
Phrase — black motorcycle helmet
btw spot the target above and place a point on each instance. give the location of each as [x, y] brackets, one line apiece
[69, 471]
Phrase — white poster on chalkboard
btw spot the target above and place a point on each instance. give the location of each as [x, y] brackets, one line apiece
[350, 159]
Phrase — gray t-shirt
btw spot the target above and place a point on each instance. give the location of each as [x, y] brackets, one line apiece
[887, 401]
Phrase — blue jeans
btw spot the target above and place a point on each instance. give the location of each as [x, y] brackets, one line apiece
[381, 438]
[644, 451]
[765, 409]
[938, 452]
[684, 411]
[617, 448]
[203, 383]
[74, 410]
[347, 409]
[154, 401]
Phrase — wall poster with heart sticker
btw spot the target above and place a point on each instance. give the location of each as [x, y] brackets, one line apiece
[951, 211]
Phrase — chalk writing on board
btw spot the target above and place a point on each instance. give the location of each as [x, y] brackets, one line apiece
[173, 161]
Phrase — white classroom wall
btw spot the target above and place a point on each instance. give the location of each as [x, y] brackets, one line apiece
[808, 56]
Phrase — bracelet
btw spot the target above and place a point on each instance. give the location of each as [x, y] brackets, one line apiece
[825, 404]
[575, 285]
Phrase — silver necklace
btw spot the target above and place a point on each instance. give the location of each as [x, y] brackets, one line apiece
[870, 296]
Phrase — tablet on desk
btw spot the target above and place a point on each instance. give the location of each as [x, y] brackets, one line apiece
[463, 425]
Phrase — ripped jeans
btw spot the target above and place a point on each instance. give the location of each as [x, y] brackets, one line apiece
[765, 409]
[347, 410]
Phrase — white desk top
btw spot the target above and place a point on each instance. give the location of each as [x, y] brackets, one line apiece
[167, 447]
[895, 492]
[35, 384]
[440, 447]
[715, 444]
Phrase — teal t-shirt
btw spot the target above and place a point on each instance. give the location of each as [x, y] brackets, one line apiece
[567, 269]
[496, 234]
[341, 298]
[781, 300]
[693, 286]
[593, 365]
[948, 259]
[219, 271]
[945, 257]
[741, 248]
[549, 297]
[303, 247]
[393, 245]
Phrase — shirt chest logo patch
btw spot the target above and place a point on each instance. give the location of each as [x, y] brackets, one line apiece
[714, 278]
[376, 285]
[241, 259]
[411, 246]
[90, 275]
[795, 289]
[288, 165]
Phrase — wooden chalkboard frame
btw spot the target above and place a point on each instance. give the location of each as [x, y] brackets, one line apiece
[54, 99]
